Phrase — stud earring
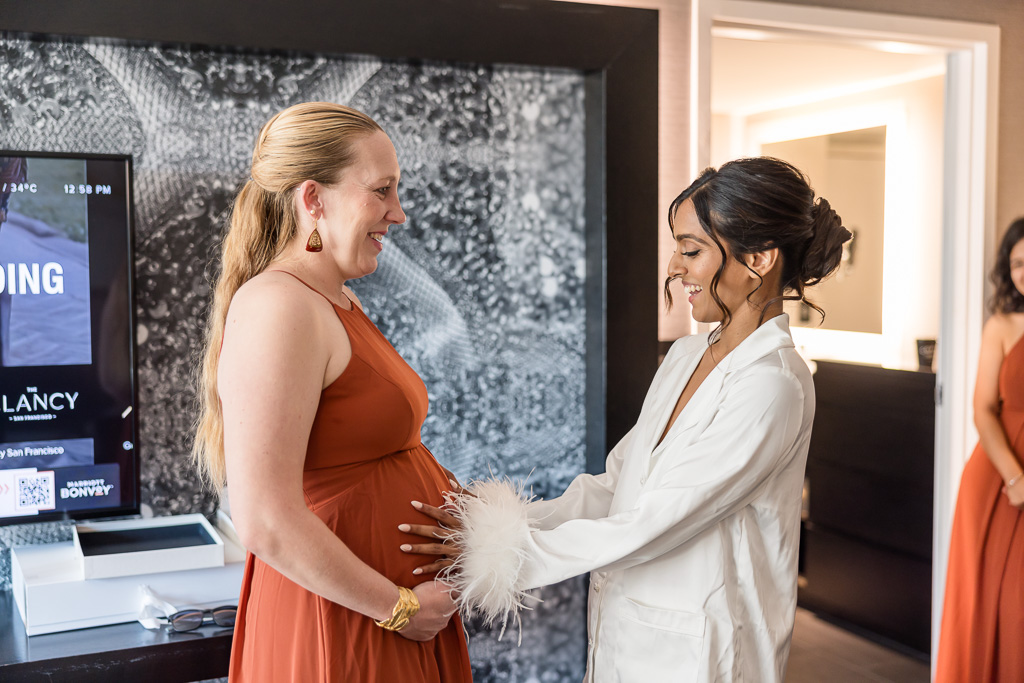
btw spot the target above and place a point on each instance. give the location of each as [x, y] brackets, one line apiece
[314, 243]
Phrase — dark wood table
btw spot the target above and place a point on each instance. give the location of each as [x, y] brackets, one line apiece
[107, 654]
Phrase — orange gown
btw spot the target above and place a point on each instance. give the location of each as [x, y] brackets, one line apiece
[364, 464]
[982, 635]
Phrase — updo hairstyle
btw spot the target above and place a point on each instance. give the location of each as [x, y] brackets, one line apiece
[762, 203]
[309, 141]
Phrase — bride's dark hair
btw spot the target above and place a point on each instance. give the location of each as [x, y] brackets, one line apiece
[761, 203]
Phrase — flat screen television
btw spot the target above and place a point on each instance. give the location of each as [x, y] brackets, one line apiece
[68, 427]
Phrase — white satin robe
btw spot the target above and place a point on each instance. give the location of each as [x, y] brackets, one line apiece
[692, 543]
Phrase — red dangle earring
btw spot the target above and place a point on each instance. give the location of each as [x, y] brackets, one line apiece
[314, 243]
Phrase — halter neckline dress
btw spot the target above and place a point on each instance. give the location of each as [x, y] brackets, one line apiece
[982, 635]
[364, 464]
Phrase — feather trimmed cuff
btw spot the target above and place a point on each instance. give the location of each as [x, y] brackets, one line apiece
[493, 537]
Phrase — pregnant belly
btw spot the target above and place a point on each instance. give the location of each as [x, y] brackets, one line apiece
[364, 507]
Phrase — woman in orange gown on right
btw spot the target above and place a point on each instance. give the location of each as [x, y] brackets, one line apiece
[982, 635]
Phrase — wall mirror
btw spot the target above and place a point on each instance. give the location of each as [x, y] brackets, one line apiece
[849, 169]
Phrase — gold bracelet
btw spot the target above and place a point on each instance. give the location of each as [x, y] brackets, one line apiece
[405, 609]
[1014, 480]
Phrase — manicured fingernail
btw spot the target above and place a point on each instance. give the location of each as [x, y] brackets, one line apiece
[416, 504]
[455, 484]
[406, 547]
[404, 527]
[417, 571]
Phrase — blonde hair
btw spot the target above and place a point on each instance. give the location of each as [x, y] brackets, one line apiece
[309, 141]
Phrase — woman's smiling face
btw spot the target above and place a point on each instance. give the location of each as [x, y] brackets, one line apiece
[1017, 266]
[695, 261]
[361, 206]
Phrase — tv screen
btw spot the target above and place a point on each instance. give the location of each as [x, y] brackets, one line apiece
[68, 426]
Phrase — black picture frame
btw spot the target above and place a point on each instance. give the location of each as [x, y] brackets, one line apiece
[617, 50]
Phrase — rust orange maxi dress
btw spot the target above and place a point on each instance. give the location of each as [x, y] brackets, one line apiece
[364, 464]
[982, 635]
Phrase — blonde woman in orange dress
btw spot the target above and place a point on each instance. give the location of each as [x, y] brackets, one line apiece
[314, 420]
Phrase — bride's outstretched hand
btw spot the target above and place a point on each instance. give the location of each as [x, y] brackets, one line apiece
[438, 534]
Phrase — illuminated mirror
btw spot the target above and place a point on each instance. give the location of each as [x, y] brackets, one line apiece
[848, 169]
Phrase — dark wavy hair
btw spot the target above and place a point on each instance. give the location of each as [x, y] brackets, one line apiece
[762, 203]
[1006, 298]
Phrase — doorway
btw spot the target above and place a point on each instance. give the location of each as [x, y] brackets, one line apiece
[865, 123]
[966, 230]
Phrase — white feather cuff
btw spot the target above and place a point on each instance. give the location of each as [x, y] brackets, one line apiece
[486, 579]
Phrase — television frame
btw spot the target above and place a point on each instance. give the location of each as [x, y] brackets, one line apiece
[132, 484]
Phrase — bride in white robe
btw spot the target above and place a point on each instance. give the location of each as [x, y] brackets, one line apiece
[691, 534]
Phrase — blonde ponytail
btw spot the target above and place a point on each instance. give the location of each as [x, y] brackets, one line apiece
[310, 141]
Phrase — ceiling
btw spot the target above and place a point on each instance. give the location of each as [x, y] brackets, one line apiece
[754, 71]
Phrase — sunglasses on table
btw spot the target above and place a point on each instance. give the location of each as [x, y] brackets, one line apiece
[191, 619]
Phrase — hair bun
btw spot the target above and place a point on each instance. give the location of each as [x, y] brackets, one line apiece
[825, 245]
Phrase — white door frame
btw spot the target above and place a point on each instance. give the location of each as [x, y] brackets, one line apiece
[969, 185]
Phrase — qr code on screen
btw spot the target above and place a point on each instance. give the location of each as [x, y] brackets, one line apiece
[35, 491]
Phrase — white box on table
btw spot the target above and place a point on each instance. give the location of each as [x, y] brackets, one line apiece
[145, 546]
[52, 595]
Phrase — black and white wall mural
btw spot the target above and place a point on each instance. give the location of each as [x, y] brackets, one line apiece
[481, 290]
